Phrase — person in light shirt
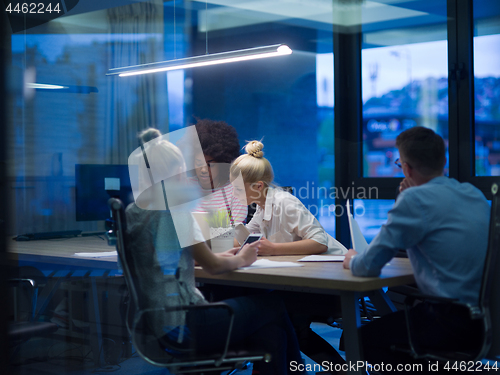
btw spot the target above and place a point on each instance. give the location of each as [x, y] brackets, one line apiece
[288, 228]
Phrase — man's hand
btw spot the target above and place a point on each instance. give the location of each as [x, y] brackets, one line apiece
[348, 257]
[406, 183]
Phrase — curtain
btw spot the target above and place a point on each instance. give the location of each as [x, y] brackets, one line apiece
[137, 102]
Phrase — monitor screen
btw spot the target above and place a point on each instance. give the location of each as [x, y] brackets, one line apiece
[95, 184]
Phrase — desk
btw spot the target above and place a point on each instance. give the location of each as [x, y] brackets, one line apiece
[56, 260]
[327, 278]
[62, 252]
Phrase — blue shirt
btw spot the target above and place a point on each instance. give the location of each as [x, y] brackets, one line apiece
[444, 226]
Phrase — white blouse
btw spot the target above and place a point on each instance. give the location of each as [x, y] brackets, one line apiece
[285, 219]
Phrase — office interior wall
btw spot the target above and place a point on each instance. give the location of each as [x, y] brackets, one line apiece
[95, 121]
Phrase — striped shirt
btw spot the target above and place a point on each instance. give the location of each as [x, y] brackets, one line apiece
[222, 199]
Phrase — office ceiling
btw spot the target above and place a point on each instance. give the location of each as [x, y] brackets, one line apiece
[322, 13]
[89, 16]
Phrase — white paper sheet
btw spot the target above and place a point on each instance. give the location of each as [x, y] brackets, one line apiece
[323, 258]
[266, 263]
[358, 240]
[102, 254]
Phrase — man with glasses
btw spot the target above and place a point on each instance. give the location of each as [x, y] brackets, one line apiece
[443, 224]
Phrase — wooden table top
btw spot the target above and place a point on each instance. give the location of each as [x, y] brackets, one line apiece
[323, 277]
[62, 252]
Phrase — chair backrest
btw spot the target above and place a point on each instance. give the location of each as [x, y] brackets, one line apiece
[120, 223]
[148, 307]
[490, 289]
[146, 344]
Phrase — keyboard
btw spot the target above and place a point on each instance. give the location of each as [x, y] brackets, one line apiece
[47, 235]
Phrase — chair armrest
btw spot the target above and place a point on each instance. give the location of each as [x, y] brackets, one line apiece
[16, 282]
[474, 311]
[426, 297]
[219, 305]
[33, 290]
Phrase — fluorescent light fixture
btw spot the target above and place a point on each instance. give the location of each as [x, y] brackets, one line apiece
[204, 60]
[44, 86]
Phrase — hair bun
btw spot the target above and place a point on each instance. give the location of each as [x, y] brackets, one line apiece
[149, 134]
[254, 148]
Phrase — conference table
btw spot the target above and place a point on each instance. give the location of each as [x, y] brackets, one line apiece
[328, 278]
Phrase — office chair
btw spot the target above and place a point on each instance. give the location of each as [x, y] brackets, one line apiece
[489, 303]
[163, 352]
[20, 332]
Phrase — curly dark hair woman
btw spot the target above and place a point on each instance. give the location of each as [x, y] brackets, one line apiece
[218, 139]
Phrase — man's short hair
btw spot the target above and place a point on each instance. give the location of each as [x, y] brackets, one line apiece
[423, 149]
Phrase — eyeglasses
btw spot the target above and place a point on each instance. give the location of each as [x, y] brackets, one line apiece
[400, 165]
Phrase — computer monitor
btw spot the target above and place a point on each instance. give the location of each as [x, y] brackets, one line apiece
[95, 184]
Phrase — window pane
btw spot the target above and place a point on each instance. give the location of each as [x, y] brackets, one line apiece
[405, 82]
[487, 87]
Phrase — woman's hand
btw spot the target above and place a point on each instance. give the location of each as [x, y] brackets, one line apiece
[249, 253]
[267, 247]
[230, 252]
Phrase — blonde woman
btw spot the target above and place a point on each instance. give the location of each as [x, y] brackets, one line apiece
[288, 226]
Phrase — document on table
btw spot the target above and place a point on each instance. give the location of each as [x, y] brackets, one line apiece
[266, 263]
[323, 258]
[358, 240]
[102, 254]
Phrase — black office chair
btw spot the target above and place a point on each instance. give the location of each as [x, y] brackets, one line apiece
[489, 303]
[20, 331]
[162, 352]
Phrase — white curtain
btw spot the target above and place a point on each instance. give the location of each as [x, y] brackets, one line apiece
[137, 102]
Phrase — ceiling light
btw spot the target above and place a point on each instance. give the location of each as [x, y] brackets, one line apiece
[44, 86]
[204, 60]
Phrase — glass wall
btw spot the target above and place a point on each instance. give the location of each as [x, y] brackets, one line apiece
[68, 116]
[487, 87]
[65, 111]
[94, 118]
[404, 82]
[404, 71]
